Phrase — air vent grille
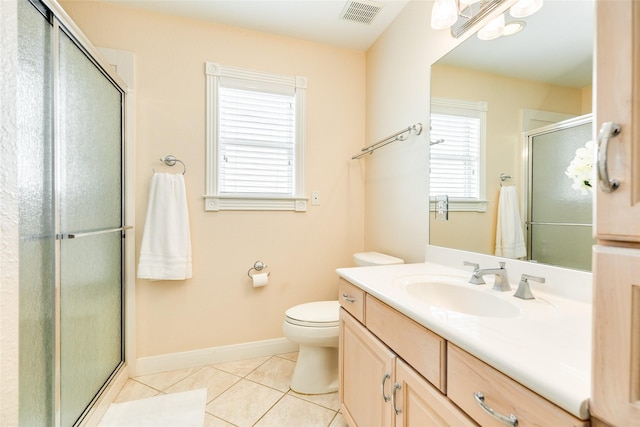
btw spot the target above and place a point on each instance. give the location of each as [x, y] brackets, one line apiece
[361, 11]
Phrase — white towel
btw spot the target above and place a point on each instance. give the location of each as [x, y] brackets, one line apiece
[509, 236]
[165, 253]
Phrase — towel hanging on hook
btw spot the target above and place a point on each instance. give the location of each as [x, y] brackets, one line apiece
[171, 160]
[503, 178]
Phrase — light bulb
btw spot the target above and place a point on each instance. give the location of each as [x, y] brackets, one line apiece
[444, 14]
[493, 29]
[525, 8]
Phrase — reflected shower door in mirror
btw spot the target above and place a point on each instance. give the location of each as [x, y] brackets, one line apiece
[560, 197]
[547, 67]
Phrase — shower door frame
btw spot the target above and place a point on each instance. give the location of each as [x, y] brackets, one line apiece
[61, 22]
[528, 137]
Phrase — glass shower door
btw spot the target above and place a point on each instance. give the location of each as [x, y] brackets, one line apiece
[37, 233]
[70, 145]
[560, 217]
[90, 196]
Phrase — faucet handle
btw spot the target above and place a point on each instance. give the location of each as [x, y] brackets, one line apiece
[524, 290]
[475, 279]
[502, 264]
[475, 266]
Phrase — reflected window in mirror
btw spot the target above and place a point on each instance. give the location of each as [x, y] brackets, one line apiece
[457, 147]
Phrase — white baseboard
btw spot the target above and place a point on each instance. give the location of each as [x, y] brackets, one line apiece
[208, 356]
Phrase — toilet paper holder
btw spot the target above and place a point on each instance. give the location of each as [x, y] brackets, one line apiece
[257, 266]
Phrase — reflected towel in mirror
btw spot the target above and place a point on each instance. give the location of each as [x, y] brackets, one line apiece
[509, 235]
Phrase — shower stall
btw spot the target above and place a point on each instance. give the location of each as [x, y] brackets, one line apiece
[70, 112]
[559, 216]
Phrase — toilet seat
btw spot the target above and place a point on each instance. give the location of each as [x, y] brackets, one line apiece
[319, 314]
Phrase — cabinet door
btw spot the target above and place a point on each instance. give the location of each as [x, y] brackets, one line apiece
[420, 404]
[616, 338]
[618, 101]
[366, 372]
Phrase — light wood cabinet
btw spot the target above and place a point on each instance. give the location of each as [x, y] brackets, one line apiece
[367, 370]
[377, 388]
[469, 376]
[616, 266]
[395, 372]
[618, 101]
[421, 404]
[616, 338]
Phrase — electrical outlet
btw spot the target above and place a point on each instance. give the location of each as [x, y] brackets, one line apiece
[315, 198]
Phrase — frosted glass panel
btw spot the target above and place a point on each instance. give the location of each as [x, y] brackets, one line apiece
[37, 330]
[564, 246]
[90, 199]
[553, 199]
[561, 216]
[91, 313]
[90, 108]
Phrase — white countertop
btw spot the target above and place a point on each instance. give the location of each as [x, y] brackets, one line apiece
[546, 347]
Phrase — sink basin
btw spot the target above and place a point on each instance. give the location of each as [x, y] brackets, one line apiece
[450, 297]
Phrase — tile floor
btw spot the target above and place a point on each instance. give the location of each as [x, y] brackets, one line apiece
[252, 392]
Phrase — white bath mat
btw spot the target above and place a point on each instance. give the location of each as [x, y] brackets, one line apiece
[176, 410]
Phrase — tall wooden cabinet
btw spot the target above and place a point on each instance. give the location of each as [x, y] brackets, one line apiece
[616, 262]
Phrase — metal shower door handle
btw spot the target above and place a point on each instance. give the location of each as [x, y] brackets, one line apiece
[608, 130]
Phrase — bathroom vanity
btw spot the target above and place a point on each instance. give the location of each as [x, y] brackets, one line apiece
[420, 346]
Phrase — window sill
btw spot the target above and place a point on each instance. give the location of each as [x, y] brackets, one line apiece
[226, 203]
[463, 206]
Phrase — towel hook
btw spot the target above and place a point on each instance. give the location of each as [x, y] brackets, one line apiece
[171, 160]
[257, 266]
[503, 178]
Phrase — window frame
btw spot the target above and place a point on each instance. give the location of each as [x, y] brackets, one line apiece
[214, 201]
[467, 109]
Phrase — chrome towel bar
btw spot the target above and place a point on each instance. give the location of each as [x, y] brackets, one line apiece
[398, 136]
[171, 160]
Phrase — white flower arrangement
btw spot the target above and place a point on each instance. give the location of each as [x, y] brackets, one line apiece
[580, 169]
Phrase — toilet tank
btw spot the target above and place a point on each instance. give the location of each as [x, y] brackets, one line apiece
[362, 259]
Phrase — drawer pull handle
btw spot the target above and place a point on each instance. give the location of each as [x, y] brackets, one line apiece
[384, 380]
[396, 387]
[511, 420]
[348, 298]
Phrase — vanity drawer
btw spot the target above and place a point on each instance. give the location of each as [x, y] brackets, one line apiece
[351, 299]
[418, 346]
[468, 375]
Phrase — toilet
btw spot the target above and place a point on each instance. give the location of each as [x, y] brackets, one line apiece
[314, 327]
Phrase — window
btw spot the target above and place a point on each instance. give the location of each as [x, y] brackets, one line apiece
[255, 140]
[457, 153]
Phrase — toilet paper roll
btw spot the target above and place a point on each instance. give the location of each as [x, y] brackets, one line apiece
[260, 279]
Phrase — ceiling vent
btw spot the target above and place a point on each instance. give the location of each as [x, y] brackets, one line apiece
[362, 11]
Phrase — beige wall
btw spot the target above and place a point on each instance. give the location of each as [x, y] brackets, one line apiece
[218, 306]
[475, 231]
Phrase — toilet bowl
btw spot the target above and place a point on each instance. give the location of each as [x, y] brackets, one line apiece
[314, 326]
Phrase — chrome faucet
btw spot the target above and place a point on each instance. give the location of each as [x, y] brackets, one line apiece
[501, 282]
[524, 290]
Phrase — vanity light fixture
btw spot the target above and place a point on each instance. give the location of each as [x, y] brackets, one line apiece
[498, 28]
[525, 8]
[460, 15]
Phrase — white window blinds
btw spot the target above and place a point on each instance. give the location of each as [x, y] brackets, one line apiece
[457, 130]
[256, 132]
[257, 142]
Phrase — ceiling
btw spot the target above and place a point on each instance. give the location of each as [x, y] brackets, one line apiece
[556, 46]
[314, 20]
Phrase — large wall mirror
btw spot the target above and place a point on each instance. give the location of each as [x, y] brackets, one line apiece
[528, 97]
